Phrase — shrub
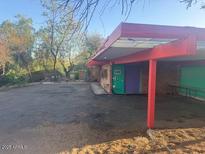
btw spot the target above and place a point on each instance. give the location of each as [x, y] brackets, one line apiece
[10, 79]
[76, 75]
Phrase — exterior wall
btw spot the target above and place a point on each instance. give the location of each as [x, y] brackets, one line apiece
[144, 78]
[132, 78]
[167, 73]
[106, 78]
[188, 73]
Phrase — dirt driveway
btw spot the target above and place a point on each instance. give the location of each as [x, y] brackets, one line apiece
[53, 118]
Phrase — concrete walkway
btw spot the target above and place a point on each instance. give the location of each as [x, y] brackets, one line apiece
[97, 89]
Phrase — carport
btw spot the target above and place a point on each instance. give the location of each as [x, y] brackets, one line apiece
[132, 43]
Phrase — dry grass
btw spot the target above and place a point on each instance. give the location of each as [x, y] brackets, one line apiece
[177, 141]
[190, 140]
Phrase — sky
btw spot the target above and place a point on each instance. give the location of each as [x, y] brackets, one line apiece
[29, 8]
[163, 12]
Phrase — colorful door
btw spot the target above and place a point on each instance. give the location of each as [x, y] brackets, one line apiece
[132, 79]
[118, 73]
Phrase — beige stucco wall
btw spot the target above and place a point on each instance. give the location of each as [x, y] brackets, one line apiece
[106, 81]
[94, 73]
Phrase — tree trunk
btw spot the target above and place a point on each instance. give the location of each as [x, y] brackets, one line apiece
[54, 68]
[67, 74]
[29, 73]
[67, 70]
[3, 69]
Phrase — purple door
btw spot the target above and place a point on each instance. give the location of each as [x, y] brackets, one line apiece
[132, 79]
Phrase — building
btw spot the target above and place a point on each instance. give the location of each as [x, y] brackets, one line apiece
[152, 59]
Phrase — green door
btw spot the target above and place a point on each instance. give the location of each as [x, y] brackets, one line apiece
[118, 73]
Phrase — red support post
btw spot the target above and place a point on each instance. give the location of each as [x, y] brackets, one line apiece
[151, 93]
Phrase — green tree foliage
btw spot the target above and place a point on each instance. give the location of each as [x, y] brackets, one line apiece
[70, 49]
[43, 57]
[18, 37]
[91, 44]
[4, 57]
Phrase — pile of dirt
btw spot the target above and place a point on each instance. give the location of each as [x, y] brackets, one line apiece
[190, 140]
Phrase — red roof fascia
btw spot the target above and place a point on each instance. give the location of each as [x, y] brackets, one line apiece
[159, 31]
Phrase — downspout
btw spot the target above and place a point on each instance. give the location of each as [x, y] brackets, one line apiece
[110, 77]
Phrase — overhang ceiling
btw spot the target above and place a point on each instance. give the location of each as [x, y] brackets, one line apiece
[125, 46]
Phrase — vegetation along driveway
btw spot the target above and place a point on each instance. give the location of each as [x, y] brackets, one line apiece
[52, 118]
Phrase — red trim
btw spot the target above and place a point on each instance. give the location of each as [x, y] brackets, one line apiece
[151, 93]
[95, 62]
[177, 48]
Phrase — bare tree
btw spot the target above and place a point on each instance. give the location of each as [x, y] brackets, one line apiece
[69, 50]
[42, 52]
[189, 3]
[85, 9]
[60, 27]
[67, 63]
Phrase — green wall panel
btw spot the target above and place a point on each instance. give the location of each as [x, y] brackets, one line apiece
[193, 77]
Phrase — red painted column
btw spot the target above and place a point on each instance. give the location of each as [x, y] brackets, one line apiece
[151, 93]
